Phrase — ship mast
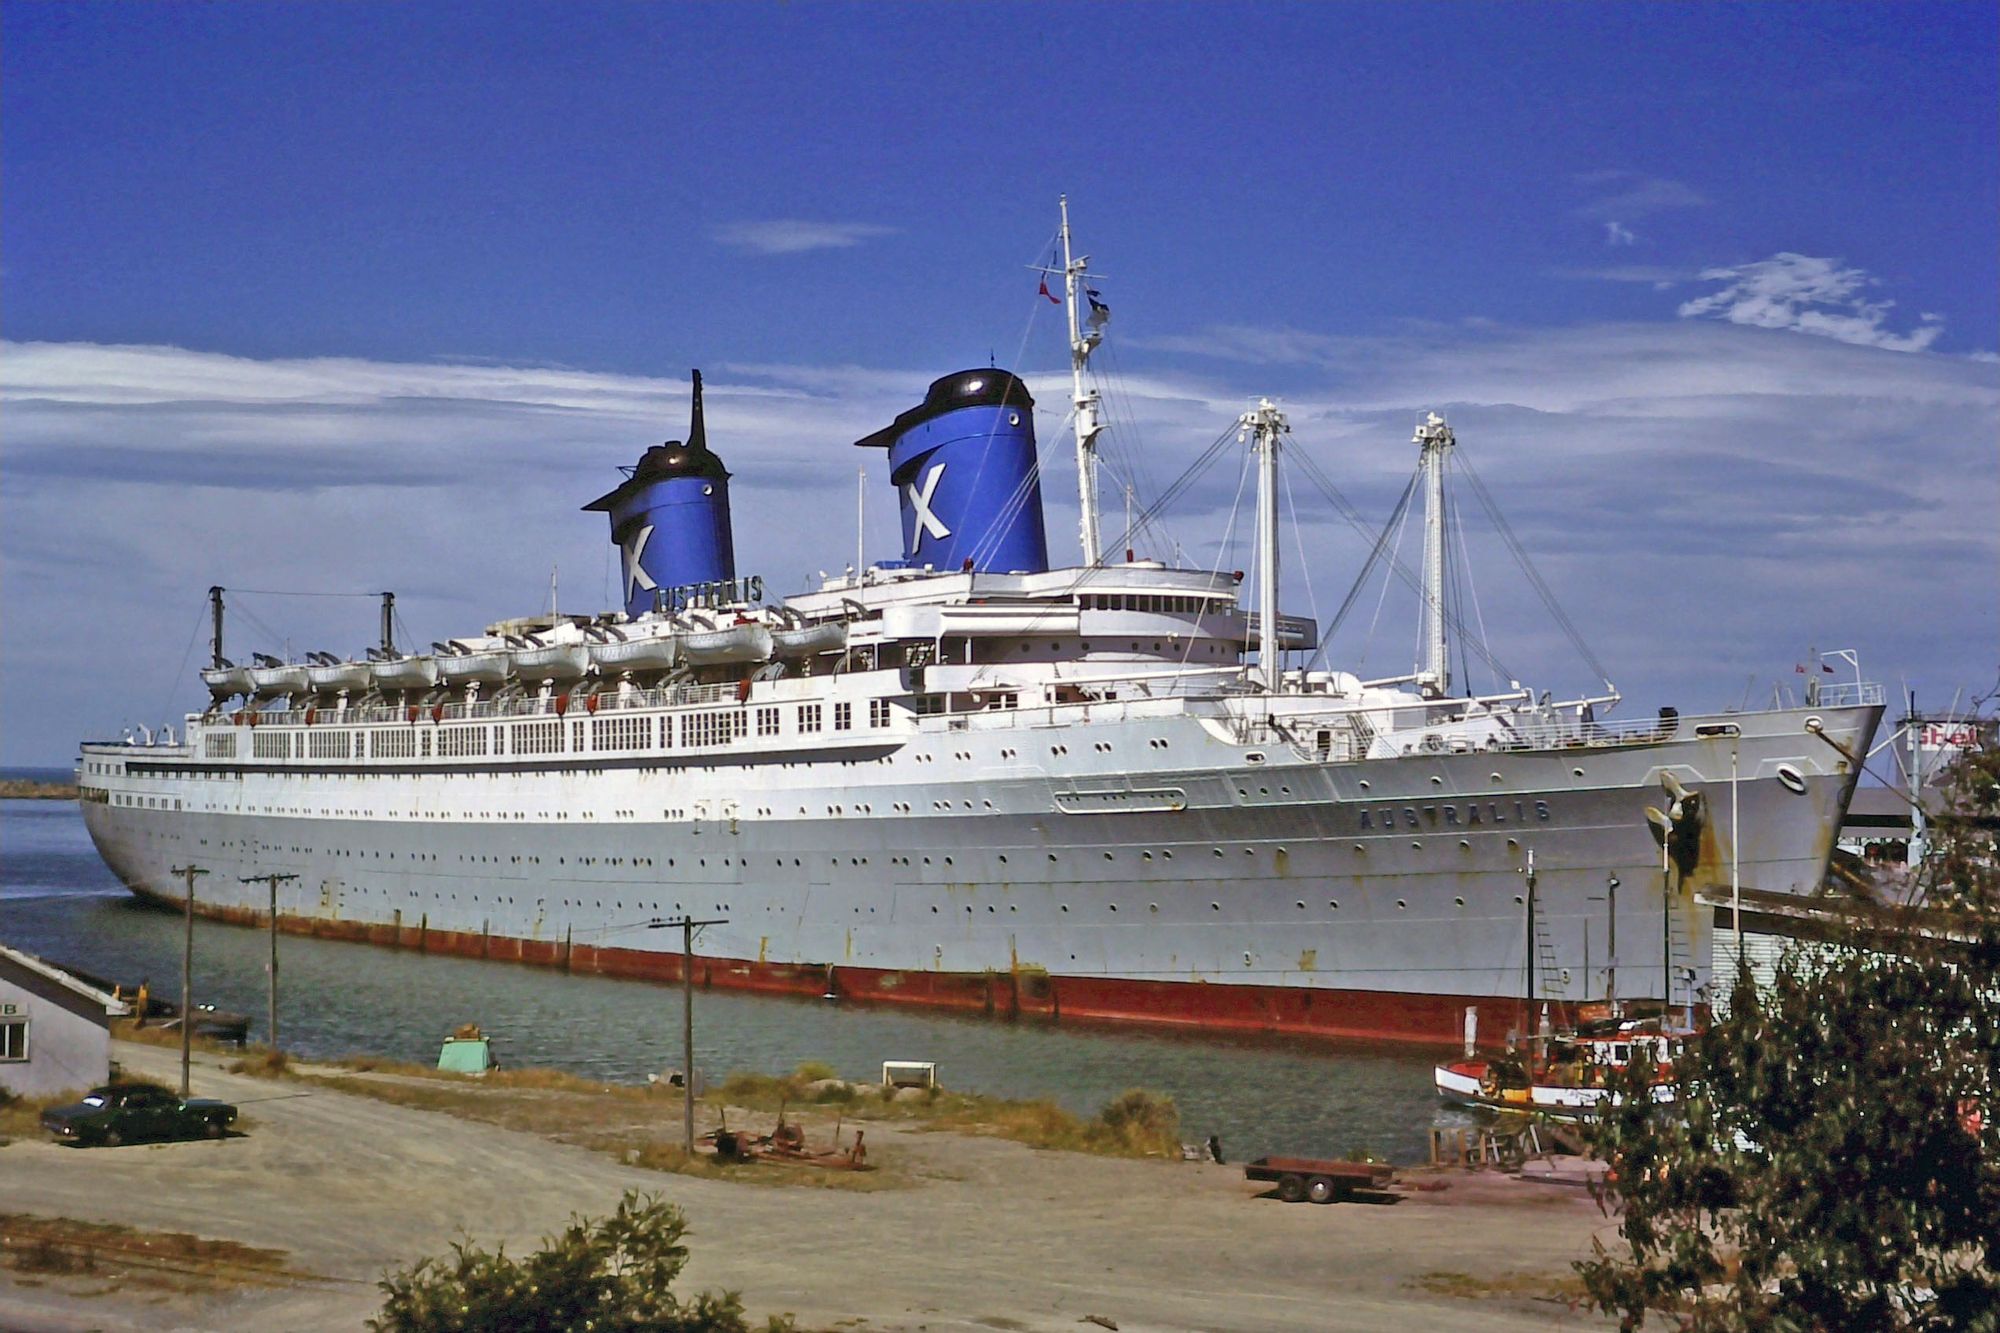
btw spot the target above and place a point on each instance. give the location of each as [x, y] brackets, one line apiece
[1084, 400]
[1265, 425]
[1435, 440]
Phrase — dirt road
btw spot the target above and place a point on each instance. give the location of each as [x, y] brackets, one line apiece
[988, 1235]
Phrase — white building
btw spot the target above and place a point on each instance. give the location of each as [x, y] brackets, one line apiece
[55, 1031]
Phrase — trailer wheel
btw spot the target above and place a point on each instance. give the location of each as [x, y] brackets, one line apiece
[1291, 1188]
[1322, 1189]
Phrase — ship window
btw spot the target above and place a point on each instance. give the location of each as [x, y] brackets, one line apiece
[843, 717]
[809, 717]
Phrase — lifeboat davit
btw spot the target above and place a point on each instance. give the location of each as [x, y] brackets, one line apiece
[405, 673]
[491, 668]
[268, 682]
[659, 652]
[225, 681]
[335, 676]
[554, 661]
[732, 643]
[805, 640]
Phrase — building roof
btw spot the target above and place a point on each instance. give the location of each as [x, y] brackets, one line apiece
[11, 959]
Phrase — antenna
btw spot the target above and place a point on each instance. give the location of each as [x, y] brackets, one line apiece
[860, 519]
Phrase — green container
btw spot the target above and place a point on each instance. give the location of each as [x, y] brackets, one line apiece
[466, 1055]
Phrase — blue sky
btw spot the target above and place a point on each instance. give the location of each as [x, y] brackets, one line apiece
[358, 296]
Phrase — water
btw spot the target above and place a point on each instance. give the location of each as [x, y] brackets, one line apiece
[58, 900]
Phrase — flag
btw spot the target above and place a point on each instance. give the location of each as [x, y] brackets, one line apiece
[1099, 312]
[1799, 669]
[1827, 669]
[1051, 295]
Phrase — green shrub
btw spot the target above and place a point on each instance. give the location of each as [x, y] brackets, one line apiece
[614, 1274]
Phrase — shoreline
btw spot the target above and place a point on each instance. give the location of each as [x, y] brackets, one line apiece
[27, 789]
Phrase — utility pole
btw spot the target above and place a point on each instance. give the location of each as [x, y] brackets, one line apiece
[1611, 972]
[688, 927]
[1530, 1026]
[274, 881]
[187, 872]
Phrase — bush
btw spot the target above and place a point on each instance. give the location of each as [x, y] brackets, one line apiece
[1139, 1121]
[614, 1274]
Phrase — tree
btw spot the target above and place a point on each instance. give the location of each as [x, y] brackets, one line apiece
[614, 1275]
[1832, 1161]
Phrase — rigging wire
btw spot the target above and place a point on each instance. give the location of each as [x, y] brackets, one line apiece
[1478, 612]
[180, 672]
[1527, 565]
[1395, 562]
[1402, 571]
[1299, 537]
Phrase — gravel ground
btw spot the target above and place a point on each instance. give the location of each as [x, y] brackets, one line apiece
[986, 1235]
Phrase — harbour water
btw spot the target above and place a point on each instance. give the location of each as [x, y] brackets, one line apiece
[58, 900]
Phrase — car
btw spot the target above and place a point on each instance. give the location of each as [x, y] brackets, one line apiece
[128, 1112]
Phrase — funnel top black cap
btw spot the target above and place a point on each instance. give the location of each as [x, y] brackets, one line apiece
[983, 386]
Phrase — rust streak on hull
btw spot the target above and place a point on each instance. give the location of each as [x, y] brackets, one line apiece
[1030, 994]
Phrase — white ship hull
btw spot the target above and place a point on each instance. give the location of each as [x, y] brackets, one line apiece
[1125, 862]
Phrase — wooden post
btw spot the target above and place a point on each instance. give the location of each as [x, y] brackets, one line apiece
[187, 872]
[687, 1027]
[688, 925]
[274, 881]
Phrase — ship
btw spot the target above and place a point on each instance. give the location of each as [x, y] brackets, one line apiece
[971, 779]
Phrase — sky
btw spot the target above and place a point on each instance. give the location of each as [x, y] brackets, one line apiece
[336, 298]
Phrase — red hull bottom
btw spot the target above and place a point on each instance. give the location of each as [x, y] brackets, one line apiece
[1192, 1006]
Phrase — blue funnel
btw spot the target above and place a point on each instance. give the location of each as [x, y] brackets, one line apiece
[963, 464]
[670, 519]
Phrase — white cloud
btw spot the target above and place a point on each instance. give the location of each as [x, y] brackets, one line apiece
[1617, 233]
[791, 236]
[1808, 295]
[1705, 497]
[1619, 193]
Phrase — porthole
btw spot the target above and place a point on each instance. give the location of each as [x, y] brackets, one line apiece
[1791, 780]
[1401, 904]
[1459, 901]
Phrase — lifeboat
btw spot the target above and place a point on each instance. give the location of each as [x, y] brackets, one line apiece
[268, 682]
[732, 643]
[659, 652]
[332, 677]
[555, 661]
[404, 673]
[805, 640]
[491, 668]
[224, 681]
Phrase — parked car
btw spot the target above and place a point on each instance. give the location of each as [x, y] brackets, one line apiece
[128, 1112]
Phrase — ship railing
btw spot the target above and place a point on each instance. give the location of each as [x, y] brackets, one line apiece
[485, 709]
[1848, 694]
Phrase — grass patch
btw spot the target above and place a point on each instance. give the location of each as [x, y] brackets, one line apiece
[1567, 1288]
[1137, 1123]
[21, 1117]
[62, 1246]
[262, 1062]
[639, 1126]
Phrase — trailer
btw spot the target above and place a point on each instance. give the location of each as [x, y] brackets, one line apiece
[1318, 1180]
